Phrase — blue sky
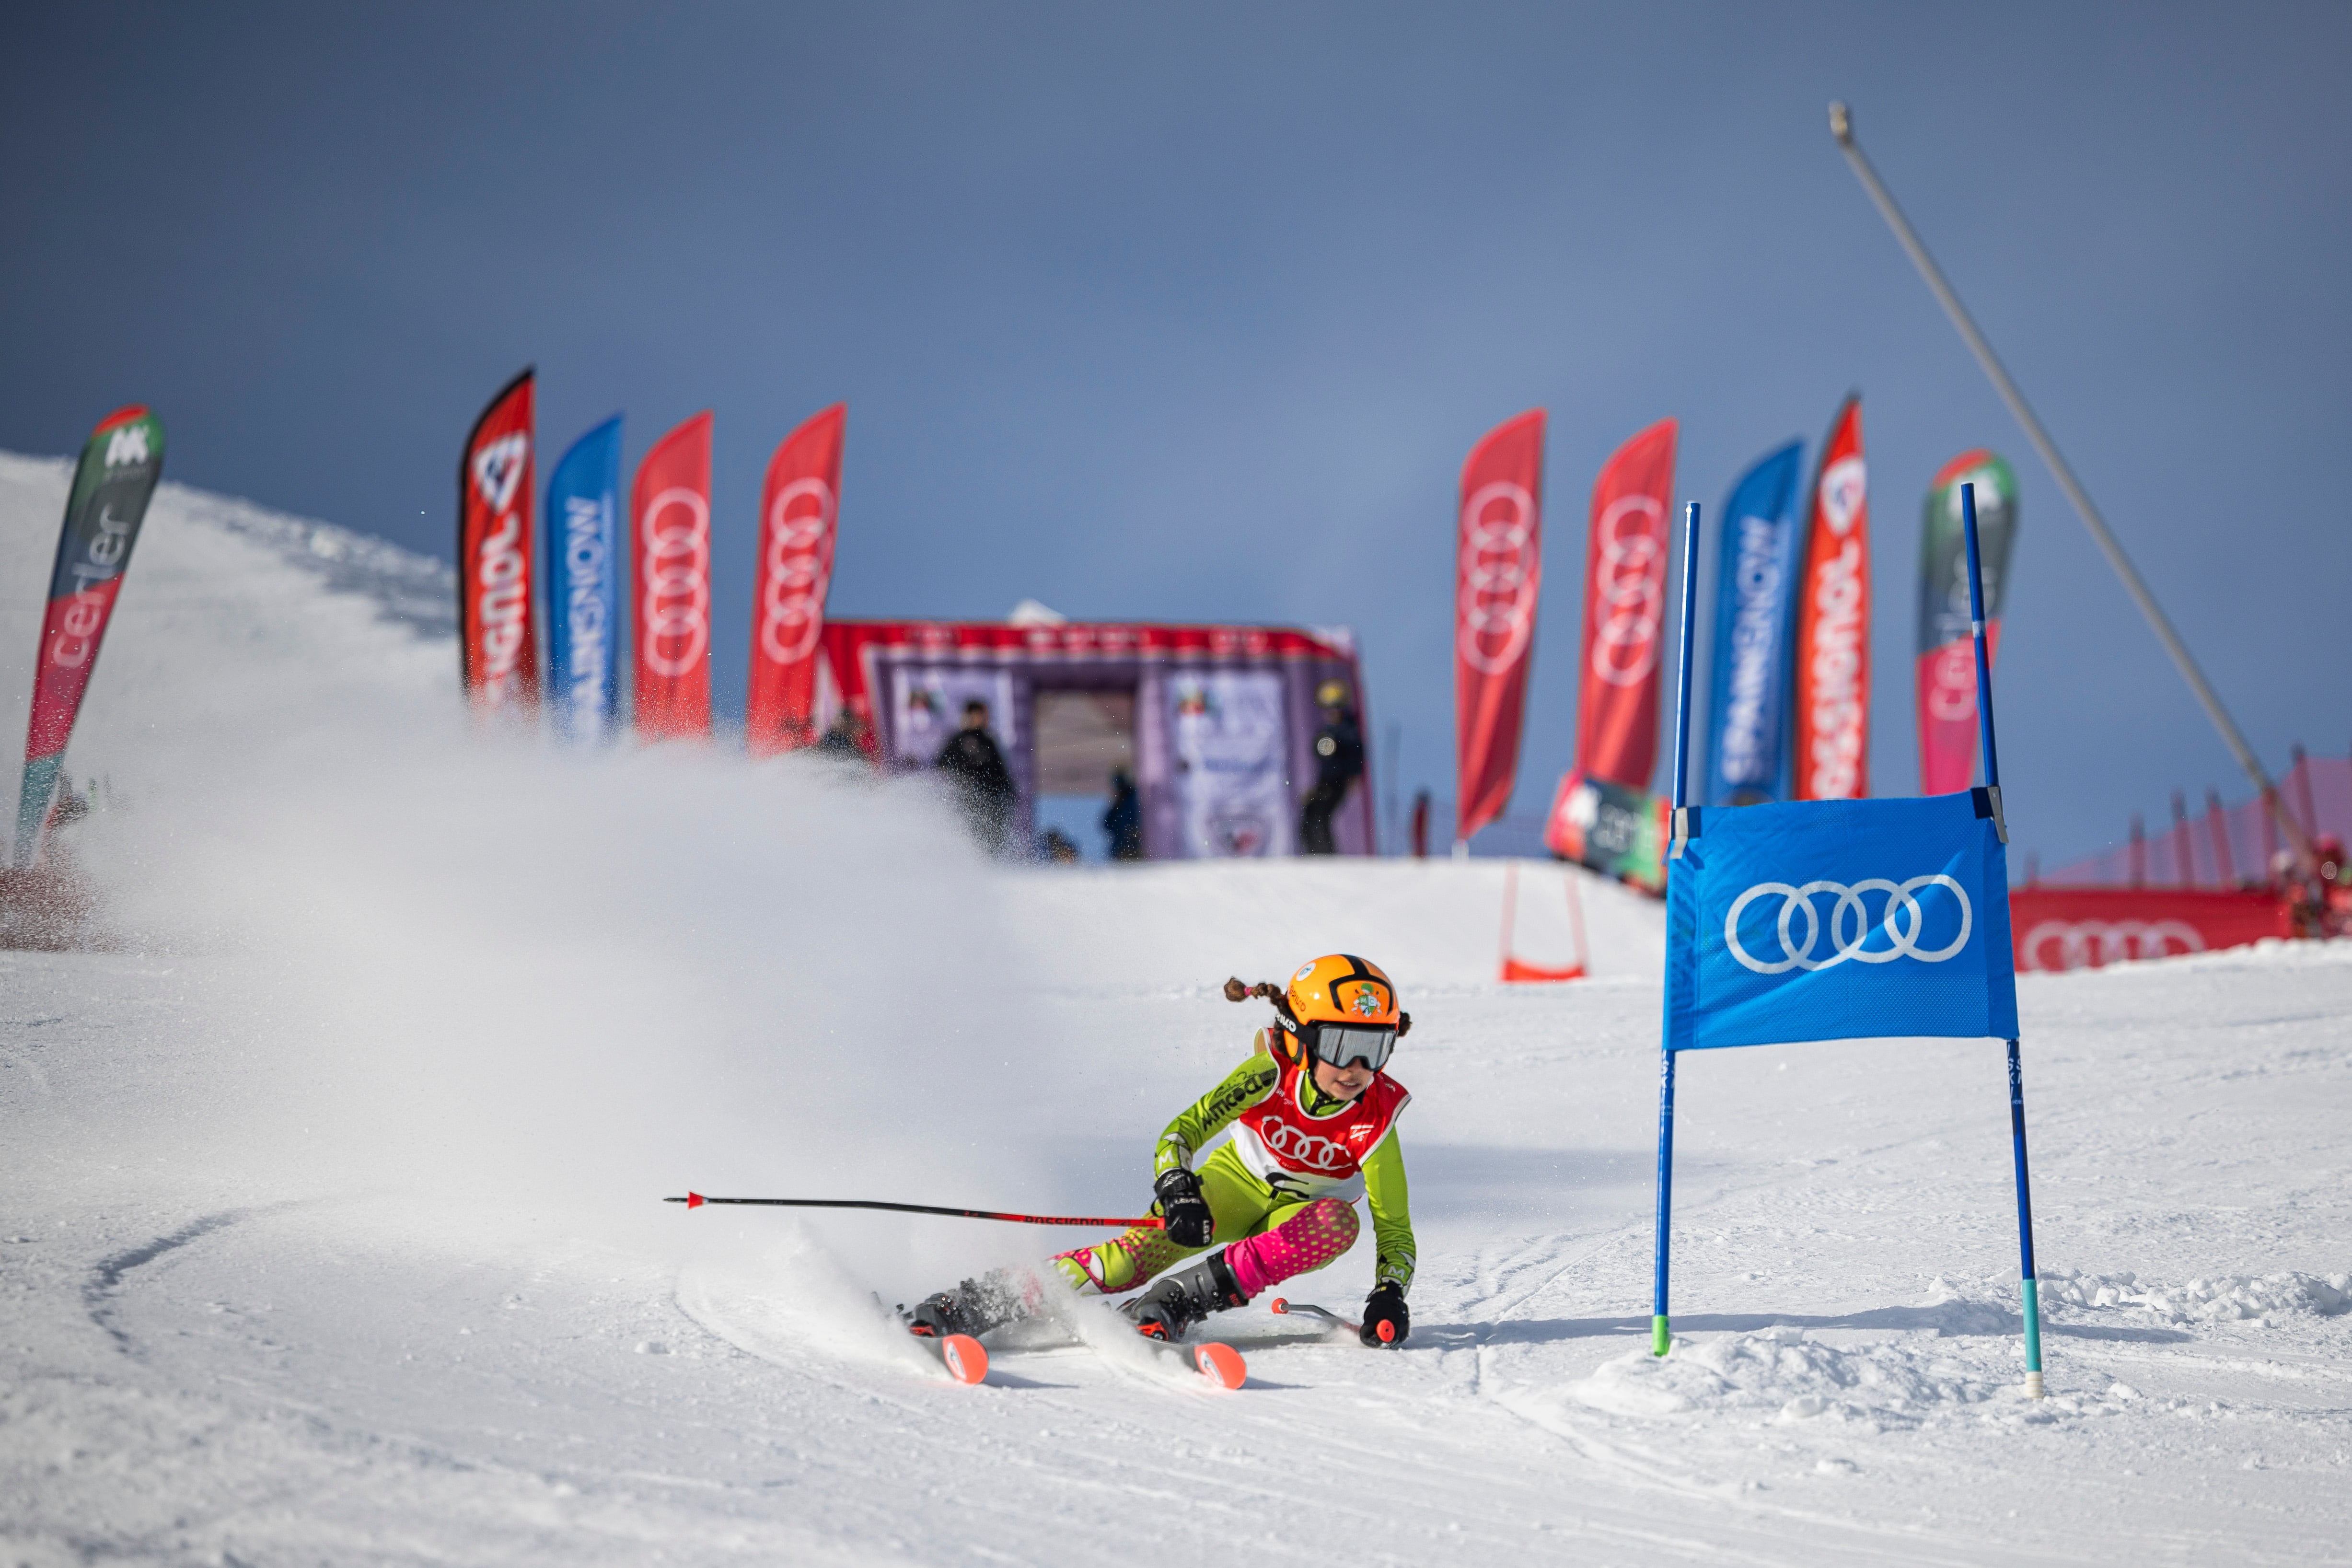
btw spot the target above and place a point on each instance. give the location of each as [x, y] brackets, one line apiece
[1192, 312]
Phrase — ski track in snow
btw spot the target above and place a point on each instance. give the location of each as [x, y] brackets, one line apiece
[317, 1246]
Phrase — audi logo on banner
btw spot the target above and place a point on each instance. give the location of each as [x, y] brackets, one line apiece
[675, 532]
[1499, 571]
[799, 564]
[1303, 1148]
[2057, 945]
[1631, 590]
[1848, 926]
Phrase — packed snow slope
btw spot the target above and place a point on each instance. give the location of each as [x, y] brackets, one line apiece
[330, 1228]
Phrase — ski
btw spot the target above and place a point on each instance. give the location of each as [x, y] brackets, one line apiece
[965, 1358]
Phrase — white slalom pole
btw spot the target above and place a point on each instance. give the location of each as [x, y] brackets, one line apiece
[1841, 127]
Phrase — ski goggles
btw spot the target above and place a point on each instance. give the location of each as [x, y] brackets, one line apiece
[1346, 1044]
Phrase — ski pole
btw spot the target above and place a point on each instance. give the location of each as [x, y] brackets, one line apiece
[694, 1200]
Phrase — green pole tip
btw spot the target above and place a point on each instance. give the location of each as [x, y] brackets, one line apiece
[1661, 1338]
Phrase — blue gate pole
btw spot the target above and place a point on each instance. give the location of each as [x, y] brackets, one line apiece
[2030, 1287]
[1660, 1337]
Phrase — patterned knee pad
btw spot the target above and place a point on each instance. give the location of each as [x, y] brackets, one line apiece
[1120, 1264]
[1306, 1241]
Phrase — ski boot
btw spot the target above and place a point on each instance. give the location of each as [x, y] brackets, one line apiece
[996, 1298]
[1177, 1301]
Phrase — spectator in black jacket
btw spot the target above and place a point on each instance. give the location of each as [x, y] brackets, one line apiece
[1338, 764]
[1123, 820]
[984, 784]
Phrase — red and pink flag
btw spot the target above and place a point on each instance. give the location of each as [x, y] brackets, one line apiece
[669, 513]
[1625, 611]
[1499, 570]
[799, 504]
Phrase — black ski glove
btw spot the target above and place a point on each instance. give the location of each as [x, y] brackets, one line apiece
[1190, 1223]
[1386, 1322]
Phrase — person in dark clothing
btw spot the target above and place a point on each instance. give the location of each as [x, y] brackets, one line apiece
[1123, 820]
[1338, 764]
[845, 737]
[971, 758]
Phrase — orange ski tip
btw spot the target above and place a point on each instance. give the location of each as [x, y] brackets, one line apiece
[1278, 1305]
[1222, 1362]
[966, 1358]
[1387, 1331]
[694, 1200]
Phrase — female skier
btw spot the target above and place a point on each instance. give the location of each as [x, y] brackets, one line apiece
[1313, 1119]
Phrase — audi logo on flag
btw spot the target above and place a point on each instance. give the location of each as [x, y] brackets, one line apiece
[675, 529]
[2058, 945]
[1500, 569]
[799, 564]
[1303, 1148]
[1631, 590]
[1848, 925]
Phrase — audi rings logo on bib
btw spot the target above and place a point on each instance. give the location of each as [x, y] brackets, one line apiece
[1918, 921]
[674, 534]
[1500, 572]
[799, 562]
[1630, 590]
[1303, 1148]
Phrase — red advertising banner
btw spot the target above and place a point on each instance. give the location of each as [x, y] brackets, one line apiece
[798, 505]
[1497, 572]
[669, 512]
[2085, 928]
[497, 649]
[1833, 686]
[1625, 611]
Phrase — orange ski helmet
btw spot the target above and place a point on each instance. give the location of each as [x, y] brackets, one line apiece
[1341, 1009]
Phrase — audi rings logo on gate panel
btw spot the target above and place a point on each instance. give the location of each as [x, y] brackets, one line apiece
[1911, 932]
[675, 529]
[1500, 569]
[798, 565]
[1302, 1148]
[2059, 945]
[1630, 589]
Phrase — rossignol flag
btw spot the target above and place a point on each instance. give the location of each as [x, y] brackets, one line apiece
[498, 652]
[669, 506]
[1832, 760]
[1498, 573]
[584, 587]
[1947, 667]
[1625, 611]
[1754, 586]
[120, 465]
[1839, 919]
[799, 505]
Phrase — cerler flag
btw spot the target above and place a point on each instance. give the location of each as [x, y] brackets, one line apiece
[120, 465]
[1947, 669]
[799, 504]
[670, 509]
[1833, 695]
[498, 652]
[1624, 604]
[583, 574]
[1498, 568]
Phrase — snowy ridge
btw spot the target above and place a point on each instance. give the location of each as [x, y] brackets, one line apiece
[409, 587]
